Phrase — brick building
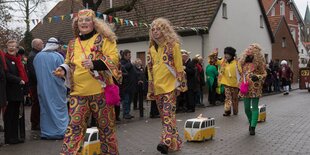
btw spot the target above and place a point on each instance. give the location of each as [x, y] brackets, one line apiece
[295, 22]
[284, 47]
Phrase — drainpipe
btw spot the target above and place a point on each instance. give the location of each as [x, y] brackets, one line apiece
[202, 45]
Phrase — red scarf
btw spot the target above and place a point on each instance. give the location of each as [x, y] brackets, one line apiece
[20, 67]
[2, 58]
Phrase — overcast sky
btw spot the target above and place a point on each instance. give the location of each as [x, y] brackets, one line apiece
[302, 5]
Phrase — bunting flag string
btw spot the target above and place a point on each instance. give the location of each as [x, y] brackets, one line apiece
[109, 19]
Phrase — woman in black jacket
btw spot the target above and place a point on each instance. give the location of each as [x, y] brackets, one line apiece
[14, 121]
[3, 68]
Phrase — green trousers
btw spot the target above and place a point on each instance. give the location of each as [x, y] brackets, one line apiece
[251, 113]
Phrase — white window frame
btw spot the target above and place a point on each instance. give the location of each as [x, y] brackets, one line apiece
[291, 15]
[273, 11]
[293, 32]
[282, 8]
[283, 42]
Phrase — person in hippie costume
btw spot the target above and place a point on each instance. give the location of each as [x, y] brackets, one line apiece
[90, 69]
[252, 76]
[166, 80]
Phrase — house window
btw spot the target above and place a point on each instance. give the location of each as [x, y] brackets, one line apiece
[261, 21]
[224, 10]
[290, 63]
[283, 42]
[302, 51]
[293, 32]
[273, 11]
[266, 58]
[282, 8]
[308, 31]
[291, 15]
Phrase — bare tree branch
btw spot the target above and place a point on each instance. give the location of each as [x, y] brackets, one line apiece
[90, 4]
[127, 7]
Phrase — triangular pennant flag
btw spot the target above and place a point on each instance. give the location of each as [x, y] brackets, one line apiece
[194, 29]
[75, 14]
[122, 21]
[110, 19]
[126, 21]
[131, 22]
[97, 14]
[136, 24]
[33, 21]
[62, 17]
[56, 18]
[71, 16]
[37, 20]
[116, 20]
[49, 19]
[42, 20]
[140, 24]
[145, 25]
[104, 17]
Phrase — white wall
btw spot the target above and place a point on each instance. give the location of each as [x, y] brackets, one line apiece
[241, 29]
[134, 47]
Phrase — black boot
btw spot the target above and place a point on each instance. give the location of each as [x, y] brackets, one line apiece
[252, 131]
[162, 148]
[227, 113]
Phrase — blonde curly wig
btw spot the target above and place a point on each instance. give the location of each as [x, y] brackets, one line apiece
[167, 31]
[258, 59]
[100, 26]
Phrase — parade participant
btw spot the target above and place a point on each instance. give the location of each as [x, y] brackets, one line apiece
[53, 113]
[228, 76]
[36, 45]
[3, 69]
[253, 73]
[166, 79]
[91, 61]
[14, 120]
[212, 73]
[286, 76]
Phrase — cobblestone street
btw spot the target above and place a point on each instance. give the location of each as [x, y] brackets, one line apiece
[286, 131]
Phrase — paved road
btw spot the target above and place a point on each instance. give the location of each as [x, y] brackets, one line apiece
[286, 131]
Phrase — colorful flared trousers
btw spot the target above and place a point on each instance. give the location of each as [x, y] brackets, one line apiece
[231, 99]
[80, 110]
[166, 104]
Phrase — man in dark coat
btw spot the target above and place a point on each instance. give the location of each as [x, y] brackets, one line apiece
[37, 45]
[191, 75]
[129, 83]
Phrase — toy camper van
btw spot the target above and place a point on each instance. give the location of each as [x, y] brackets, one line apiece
[91, 142]
[199, 129]
[262, 113]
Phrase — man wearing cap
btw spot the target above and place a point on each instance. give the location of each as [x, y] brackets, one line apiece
[51, 91]
[228, 76]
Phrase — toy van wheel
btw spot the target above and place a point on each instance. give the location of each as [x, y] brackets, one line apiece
[309, 90]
